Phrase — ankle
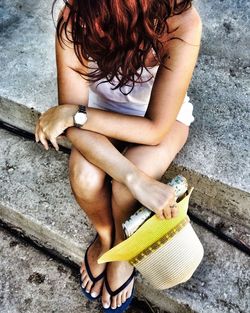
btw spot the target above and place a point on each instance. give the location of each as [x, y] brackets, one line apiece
[105, 240]
[119, 237]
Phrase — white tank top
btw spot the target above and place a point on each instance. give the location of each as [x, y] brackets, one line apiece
[135, 103]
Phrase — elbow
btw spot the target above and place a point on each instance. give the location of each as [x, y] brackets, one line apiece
[156, 138]
[153, 141]
[156, 141]
[158, 135]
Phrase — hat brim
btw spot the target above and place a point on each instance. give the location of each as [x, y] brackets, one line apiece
[151, 231]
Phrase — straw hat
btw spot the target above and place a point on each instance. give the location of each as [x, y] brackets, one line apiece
[166, 252]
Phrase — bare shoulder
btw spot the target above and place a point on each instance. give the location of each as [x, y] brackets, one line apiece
[187, 26]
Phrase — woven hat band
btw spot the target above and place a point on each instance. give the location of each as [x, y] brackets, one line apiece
[175, 261]
[159, 243]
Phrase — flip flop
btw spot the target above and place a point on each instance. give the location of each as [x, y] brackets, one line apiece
[92, 278]
[124, 305]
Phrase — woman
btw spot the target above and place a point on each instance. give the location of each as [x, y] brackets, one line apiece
[136, 121]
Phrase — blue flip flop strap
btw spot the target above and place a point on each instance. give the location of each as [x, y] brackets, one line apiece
[114, 293]
[94, 279]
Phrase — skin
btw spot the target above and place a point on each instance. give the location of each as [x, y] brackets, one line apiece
[152, 143]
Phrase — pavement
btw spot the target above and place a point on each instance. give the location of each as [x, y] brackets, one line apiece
[35, 282]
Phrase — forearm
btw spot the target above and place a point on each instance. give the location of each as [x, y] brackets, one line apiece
[98, 150]
[124, 127]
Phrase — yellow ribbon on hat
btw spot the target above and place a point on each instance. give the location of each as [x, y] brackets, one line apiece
[150, 232]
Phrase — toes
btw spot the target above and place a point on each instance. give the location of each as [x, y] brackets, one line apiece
[105, 299]
[124, 297]
[129, 293]
[114, 303]
[82, 269]
[94, 294]
[119, 299]
[96, 289]
[83, 276]
[88, 286]
[85, 281]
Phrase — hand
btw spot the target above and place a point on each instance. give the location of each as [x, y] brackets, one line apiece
[154, 195]
[163, 200]
[53, 122]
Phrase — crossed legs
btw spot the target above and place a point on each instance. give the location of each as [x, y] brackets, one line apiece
[108, 205]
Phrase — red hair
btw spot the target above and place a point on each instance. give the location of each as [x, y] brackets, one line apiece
[118, 34]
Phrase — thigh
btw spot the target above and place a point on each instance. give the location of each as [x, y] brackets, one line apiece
[154, 160]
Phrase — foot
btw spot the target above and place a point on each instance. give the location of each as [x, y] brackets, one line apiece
[94, 252]
[117, 274]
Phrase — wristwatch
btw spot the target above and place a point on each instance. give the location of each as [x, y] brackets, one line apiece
[80, 117]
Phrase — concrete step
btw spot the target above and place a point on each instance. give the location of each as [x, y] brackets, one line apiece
[215, 156]
[38, 282]
[225, 28]
[36, 199]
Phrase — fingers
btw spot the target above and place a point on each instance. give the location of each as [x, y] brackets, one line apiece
[41, 135]
[159, 214]
[43, 140]
[168, 212]
[54, 143]
[174, 211]
[36, 131]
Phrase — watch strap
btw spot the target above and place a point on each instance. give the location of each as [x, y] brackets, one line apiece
[82, 108]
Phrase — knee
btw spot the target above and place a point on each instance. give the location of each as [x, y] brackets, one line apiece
[120, 193]
[86, 182]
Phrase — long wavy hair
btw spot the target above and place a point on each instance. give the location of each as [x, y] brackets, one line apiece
[118, 35]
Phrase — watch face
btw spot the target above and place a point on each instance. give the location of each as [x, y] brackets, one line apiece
[80, 118]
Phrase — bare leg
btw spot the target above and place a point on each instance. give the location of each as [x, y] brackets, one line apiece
[92, 190]
[153, 161]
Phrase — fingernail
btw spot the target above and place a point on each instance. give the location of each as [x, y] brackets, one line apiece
[94, 294]
[105, 305]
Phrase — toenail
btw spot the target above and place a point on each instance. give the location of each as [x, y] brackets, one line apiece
[87, 290]
[94, 294]
[113, 308]
[119, 305]
[105, 305]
